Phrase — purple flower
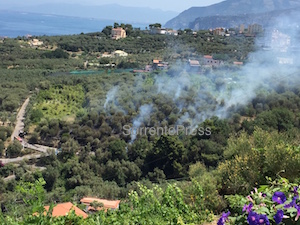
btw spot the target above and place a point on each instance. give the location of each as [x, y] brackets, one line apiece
[279, 197]
[291, 204]
[264, 195]
[223, 219]
[298, 212]
[263, 219]
[278, 216]
[248, 208]
[252, 218]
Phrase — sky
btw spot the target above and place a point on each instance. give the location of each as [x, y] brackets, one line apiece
[172, 5]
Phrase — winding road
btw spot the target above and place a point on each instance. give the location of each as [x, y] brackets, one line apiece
[20, 126]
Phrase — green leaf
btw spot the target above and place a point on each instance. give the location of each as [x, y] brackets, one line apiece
[262, 188]
[291, 210]
[264, 210]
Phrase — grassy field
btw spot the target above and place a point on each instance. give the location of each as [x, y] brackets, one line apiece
[61, 101]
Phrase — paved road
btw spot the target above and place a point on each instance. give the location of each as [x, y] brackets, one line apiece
[20, 126]
[19, 159]
[20, 117]
[40, 148]
[13, 177]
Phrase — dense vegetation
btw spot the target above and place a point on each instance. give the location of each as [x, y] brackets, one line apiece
[170, 178]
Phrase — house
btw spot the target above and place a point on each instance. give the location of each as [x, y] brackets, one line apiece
[107, 204]
[119, 53]
[219, 31]
[194, 63]
[118, 33]
[63, 209]
[164, 31]
[35, 42]
[238, 63]
[209, 61]
[160, 65]
[172, 32]
[106, 55]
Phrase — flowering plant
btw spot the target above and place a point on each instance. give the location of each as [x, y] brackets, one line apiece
[277, 203]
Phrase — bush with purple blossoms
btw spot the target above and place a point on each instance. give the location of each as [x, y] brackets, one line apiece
[276, 203]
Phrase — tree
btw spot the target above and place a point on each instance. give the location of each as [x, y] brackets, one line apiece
[118, 149]
[116, 25]
[169, 155]
[154, 25]
[34, 138]
[36, 115]
[2, 147]
[96, 204]
[107, 30]
[14, 149]
[69, 149]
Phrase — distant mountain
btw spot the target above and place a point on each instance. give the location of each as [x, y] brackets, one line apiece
[265, 19]
[229, 8]
[108, 12]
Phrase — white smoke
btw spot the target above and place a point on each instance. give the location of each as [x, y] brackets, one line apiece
[194, 95]
[143, 117]
[110, 97]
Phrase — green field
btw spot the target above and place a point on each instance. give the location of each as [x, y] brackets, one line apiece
[61, 101]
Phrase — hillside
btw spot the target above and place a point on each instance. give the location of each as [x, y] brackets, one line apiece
[265, 19]
[229, 7]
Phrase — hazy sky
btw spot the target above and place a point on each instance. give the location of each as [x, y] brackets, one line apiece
[173, 5]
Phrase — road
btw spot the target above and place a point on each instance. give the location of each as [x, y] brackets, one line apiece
[13, 177]
[40, 148]
[20, 118]
[19, 159]
[20, 126]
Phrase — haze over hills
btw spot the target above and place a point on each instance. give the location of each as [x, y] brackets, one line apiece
[108, 12]
[267, 19]
[229, 8]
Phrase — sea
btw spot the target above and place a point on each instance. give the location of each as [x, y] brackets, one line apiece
[14, 24]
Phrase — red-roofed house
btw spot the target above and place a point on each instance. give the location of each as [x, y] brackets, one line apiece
[107, 204]
[63, 209]
[207, 57]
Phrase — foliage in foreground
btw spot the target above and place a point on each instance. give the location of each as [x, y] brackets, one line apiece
[277, 203]
[146, 206]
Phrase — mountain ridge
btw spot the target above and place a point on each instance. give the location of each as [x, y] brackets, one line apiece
[229, 8]
[268, 19]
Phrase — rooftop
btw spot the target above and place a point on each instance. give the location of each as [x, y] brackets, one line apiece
[208, 57]
[63, 209]
[107, 204]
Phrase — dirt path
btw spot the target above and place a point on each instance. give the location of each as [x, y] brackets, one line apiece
[20, 117]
